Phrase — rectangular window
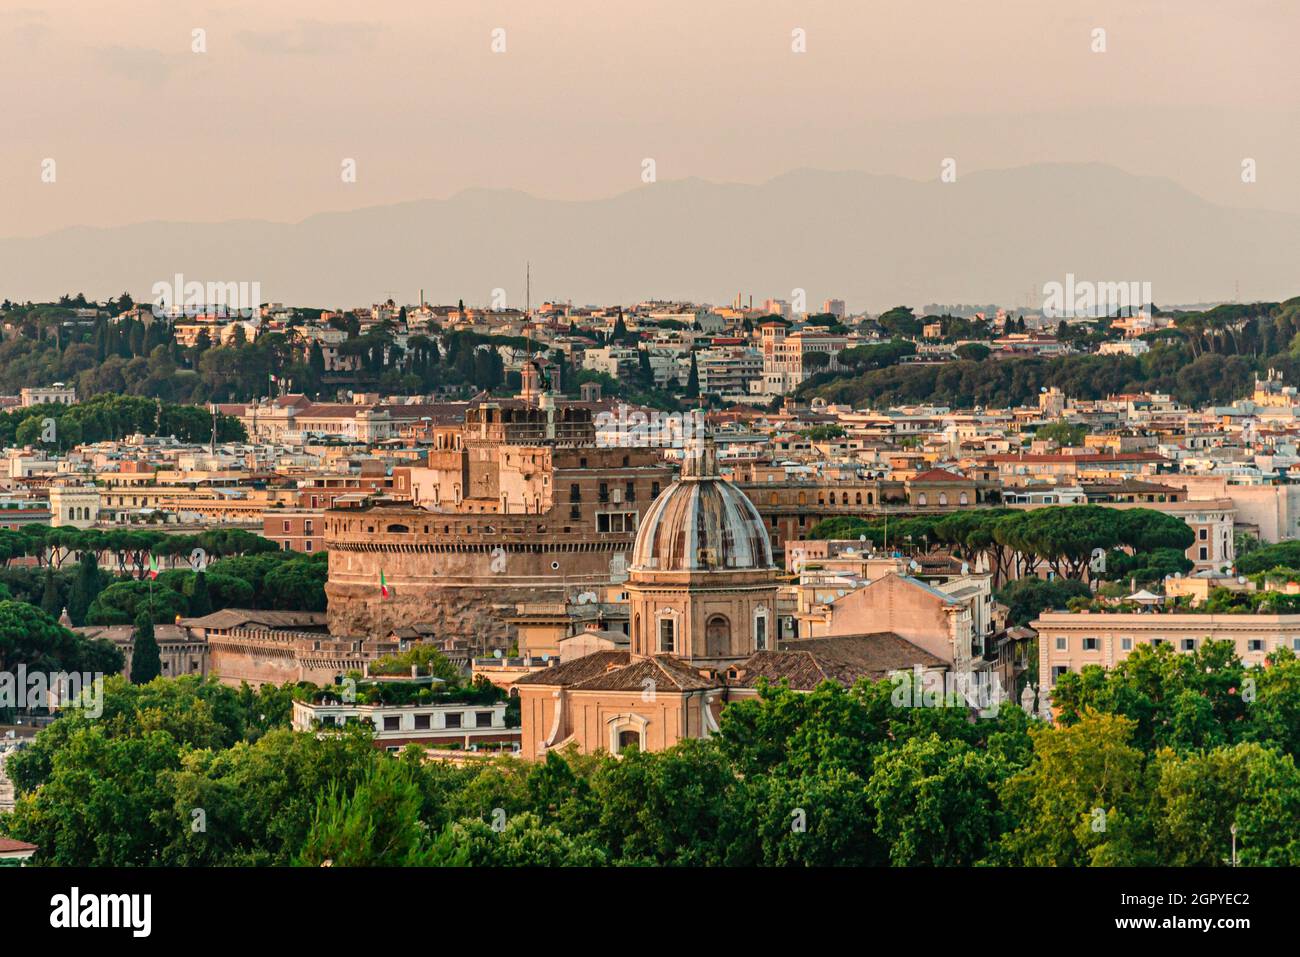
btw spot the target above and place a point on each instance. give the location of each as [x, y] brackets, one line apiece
[616, 522]
[392, 722]
[1189, 644]
[423, 722]
[1057, 671]
[666, 636]
[1204, 553]
[1255, 644]
[307, 545]
[452, 719]
[1090, 644]
[760, 633]
[1126, 644]
[630, 492]
[1062, 643]
[603, 494]
[482, 719]
[654, 489]
[1203, 534]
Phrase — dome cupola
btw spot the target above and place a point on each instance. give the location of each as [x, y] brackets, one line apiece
[702, 522]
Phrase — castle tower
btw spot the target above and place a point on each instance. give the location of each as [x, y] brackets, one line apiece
[530, 376]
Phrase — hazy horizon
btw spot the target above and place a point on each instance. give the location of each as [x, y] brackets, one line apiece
[224, 114]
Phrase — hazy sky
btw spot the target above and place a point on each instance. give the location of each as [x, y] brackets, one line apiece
[141, 128]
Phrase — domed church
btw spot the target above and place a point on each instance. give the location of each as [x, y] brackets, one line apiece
[702, 582]
[702, 589]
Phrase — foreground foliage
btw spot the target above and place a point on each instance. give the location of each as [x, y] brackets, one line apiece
[1151, 763]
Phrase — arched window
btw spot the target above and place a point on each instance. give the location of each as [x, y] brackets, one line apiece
[943, 498]
[920, 499]
[962, 499]
[626, 731]
[760, 632]
[717, 637]
[857, 498]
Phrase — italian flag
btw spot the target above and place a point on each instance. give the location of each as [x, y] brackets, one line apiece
[153, 567]
[383, 584]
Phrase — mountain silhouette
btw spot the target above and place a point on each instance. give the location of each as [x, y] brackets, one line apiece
[874, 241]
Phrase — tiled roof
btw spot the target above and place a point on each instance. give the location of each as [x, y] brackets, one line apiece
[239, 617]
[580, 669]
[666, 672]
[939, 475]
[807, 662]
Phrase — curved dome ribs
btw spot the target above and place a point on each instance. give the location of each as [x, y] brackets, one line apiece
[700, 523]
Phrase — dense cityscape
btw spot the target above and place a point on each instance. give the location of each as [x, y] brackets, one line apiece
[435, 584]
[463, 465]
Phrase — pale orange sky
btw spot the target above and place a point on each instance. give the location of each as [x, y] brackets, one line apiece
[142, 129]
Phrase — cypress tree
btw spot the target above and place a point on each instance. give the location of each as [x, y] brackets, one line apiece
[201, 599]
[50, 603]
[146, 662]
[85, 588]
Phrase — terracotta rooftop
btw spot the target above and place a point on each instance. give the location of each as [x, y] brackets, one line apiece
[939, 475]
[580, 669]
[844, 659]
[666, 672]
[240, 617]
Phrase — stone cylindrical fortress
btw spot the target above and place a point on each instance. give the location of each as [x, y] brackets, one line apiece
[519, 503]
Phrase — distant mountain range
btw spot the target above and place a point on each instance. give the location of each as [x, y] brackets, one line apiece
[875, 241]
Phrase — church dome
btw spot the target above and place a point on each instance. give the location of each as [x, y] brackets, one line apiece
[702, 523]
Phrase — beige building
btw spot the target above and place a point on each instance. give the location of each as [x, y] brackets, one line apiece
[702, 596]
[1069, 641]
[74, 505]
[57, 394]
[702, 592]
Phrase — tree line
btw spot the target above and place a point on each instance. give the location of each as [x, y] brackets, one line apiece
[1204, 358]
[1016, 543]
[109, 417]
[1152, 763]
